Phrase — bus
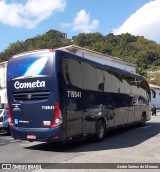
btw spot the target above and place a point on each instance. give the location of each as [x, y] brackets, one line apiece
[56, 96]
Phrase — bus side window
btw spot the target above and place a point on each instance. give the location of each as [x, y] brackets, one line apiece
[100, 79]
[89, 77]
[124, 86]
[67, 74]
[112, 82]
[73, 72]
[107, 82]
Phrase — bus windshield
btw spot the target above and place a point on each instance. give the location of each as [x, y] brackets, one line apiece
[38, 65]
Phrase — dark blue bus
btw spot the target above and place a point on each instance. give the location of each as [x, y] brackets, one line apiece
[55, 96]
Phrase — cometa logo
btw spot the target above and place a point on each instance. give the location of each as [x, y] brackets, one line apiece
[38, 83]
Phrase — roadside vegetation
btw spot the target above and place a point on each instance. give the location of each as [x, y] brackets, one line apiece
[134, 49]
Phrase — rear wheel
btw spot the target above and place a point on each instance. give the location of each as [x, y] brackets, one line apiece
[100, 130]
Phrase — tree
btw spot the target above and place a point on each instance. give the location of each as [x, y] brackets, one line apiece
[133, 49]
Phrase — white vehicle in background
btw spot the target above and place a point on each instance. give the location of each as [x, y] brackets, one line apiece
[4, 123]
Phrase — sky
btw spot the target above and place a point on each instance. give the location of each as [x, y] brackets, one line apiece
[24, 19]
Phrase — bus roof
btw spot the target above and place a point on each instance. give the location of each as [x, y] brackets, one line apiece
[80, 58]
[33, 52]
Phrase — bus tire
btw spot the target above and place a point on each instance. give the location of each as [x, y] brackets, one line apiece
[143, 120]
[100, 130]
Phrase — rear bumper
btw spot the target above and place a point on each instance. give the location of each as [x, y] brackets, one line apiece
[48, 135]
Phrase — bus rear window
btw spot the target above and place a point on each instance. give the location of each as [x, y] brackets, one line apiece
[30, 66]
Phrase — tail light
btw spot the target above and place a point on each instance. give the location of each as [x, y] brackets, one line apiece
[1, 118]
[57, 118]
[10, 116]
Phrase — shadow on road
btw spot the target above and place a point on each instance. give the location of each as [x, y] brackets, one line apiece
[115, 139]
[6, 139]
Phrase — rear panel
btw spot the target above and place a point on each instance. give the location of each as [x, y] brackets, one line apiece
[32, 92]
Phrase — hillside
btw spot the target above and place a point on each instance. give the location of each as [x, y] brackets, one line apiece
[50, 40]
[135, 49]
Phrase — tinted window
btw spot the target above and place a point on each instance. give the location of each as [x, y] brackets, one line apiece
[100, 79]
[72, 71]
[108, 82]
[89, 77]
[112, 81]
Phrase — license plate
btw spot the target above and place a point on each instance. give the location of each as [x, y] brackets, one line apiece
[31, 137]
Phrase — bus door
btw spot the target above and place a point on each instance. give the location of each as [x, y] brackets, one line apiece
[74, 117]
[73, 86]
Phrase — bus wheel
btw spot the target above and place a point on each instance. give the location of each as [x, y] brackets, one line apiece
[143, 120]
[100, 130]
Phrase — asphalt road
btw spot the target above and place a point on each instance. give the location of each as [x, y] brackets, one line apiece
[129, 145]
